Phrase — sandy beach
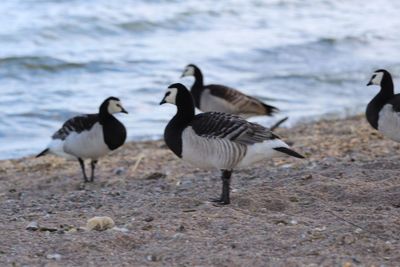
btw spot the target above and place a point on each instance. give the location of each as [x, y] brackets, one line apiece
[338, 207]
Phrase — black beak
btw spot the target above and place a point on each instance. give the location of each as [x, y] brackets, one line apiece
[184, 73]
[124, 110]
[163, 101]
[370, 83]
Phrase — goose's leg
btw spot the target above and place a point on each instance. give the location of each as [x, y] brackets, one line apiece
[226, 180]
[83, 170]
[93, 165]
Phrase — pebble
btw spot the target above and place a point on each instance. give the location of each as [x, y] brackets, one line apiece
[320, 229]
[152, 258]
[348, 239]
[147, 227]
[148, 219]
[119, 171]
[120, 229]
[155, 176]
[54, 256]
[48, 229]
[178, 236]
[181, 228]
[32, 226]
[100, 223]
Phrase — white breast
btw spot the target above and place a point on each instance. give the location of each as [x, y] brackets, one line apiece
[389, 123]
[210, 153]
[87, 144]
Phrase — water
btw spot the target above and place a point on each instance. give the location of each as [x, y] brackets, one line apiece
[61, 58]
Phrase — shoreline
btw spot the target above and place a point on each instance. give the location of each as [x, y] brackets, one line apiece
[338, 206]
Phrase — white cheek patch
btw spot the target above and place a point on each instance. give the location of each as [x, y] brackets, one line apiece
[189, 71]
[113, 107]
[171, 98]
[378, 78]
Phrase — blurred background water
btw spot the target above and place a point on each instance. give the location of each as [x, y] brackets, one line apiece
[59, 58]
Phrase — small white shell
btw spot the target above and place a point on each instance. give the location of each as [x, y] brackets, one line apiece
[100, 223]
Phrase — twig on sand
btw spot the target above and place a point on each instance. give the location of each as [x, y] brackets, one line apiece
[278, 123]
[138, 160]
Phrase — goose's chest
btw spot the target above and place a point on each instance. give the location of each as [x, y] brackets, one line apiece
[87, 144]
[389, 122]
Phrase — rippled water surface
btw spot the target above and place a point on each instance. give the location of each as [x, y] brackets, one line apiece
[61, 58]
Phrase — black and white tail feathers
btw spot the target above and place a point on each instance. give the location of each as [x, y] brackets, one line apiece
[269, 110]
[289, 152]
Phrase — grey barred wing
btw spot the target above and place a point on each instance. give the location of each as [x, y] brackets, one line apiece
[232, 127]
[240, 102]
[76, 124]
[230, 94]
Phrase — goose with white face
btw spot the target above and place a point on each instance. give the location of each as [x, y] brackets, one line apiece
[170, 96]
[189, 71]
[216, 140]
[89, 136]
[115, 106]
[376, 78]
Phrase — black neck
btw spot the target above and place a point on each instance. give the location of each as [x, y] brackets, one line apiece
[197, 87]
[377, 103]
[114, 131]
[387, 88]
[174, 129]
[104, 117]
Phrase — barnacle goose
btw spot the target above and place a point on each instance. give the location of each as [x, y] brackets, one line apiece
[215, 97]
[89, 136]
[383, 112]
[217, 140]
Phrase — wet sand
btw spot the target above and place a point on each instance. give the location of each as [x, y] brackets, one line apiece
[338, 207]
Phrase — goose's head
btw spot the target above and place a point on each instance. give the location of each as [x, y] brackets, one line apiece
[113, 105]
[378, 76]
[176, 93]
[190, 70]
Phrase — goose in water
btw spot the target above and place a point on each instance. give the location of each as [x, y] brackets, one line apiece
[220, 98]
[215, 140]
[89, 136]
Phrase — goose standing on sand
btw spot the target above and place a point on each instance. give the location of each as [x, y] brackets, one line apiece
[221, 98]
[89, 136]
[383, 112]
[217, 140]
